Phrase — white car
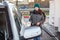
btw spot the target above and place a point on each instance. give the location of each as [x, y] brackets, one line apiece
[9, 23]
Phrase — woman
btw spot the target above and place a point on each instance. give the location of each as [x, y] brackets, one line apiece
[37, 17]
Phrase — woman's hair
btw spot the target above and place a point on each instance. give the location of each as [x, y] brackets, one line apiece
[38, 12]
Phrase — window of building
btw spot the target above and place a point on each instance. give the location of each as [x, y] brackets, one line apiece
[31, 0]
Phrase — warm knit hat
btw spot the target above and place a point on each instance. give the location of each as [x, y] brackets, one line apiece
[37, 5]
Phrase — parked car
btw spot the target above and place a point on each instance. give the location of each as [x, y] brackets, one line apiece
[9, 22]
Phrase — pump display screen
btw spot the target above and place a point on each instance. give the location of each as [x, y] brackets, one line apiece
[25, 14]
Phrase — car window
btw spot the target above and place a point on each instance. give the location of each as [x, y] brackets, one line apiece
[2, 26]
[5, 27]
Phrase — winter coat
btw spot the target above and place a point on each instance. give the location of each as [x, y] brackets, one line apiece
[36, 17]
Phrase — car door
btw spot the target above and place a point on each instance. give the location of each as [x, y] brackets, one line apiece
[5, 26]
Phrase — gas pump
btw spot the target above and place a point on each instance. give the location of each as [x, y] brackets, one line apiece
[25, 18]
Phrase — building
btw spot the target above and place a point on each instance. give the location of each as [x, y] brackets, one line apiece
[44, 4]
[30, 3]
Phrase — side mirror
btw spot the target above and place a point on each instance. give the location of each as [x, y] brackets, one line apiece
[32, 32]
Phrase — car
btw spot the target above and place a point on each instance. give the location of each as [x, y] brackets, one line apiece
[23, 7]
[9, 22]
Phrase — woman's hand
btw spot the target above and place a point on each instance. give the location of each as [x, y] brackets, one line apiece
[38, 23]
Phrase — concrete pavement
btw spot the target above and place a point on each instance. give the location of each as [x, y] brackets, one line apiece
[46, 36]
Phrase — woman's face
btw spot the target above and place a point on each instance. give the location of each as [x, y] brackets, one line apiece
[36, 8]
